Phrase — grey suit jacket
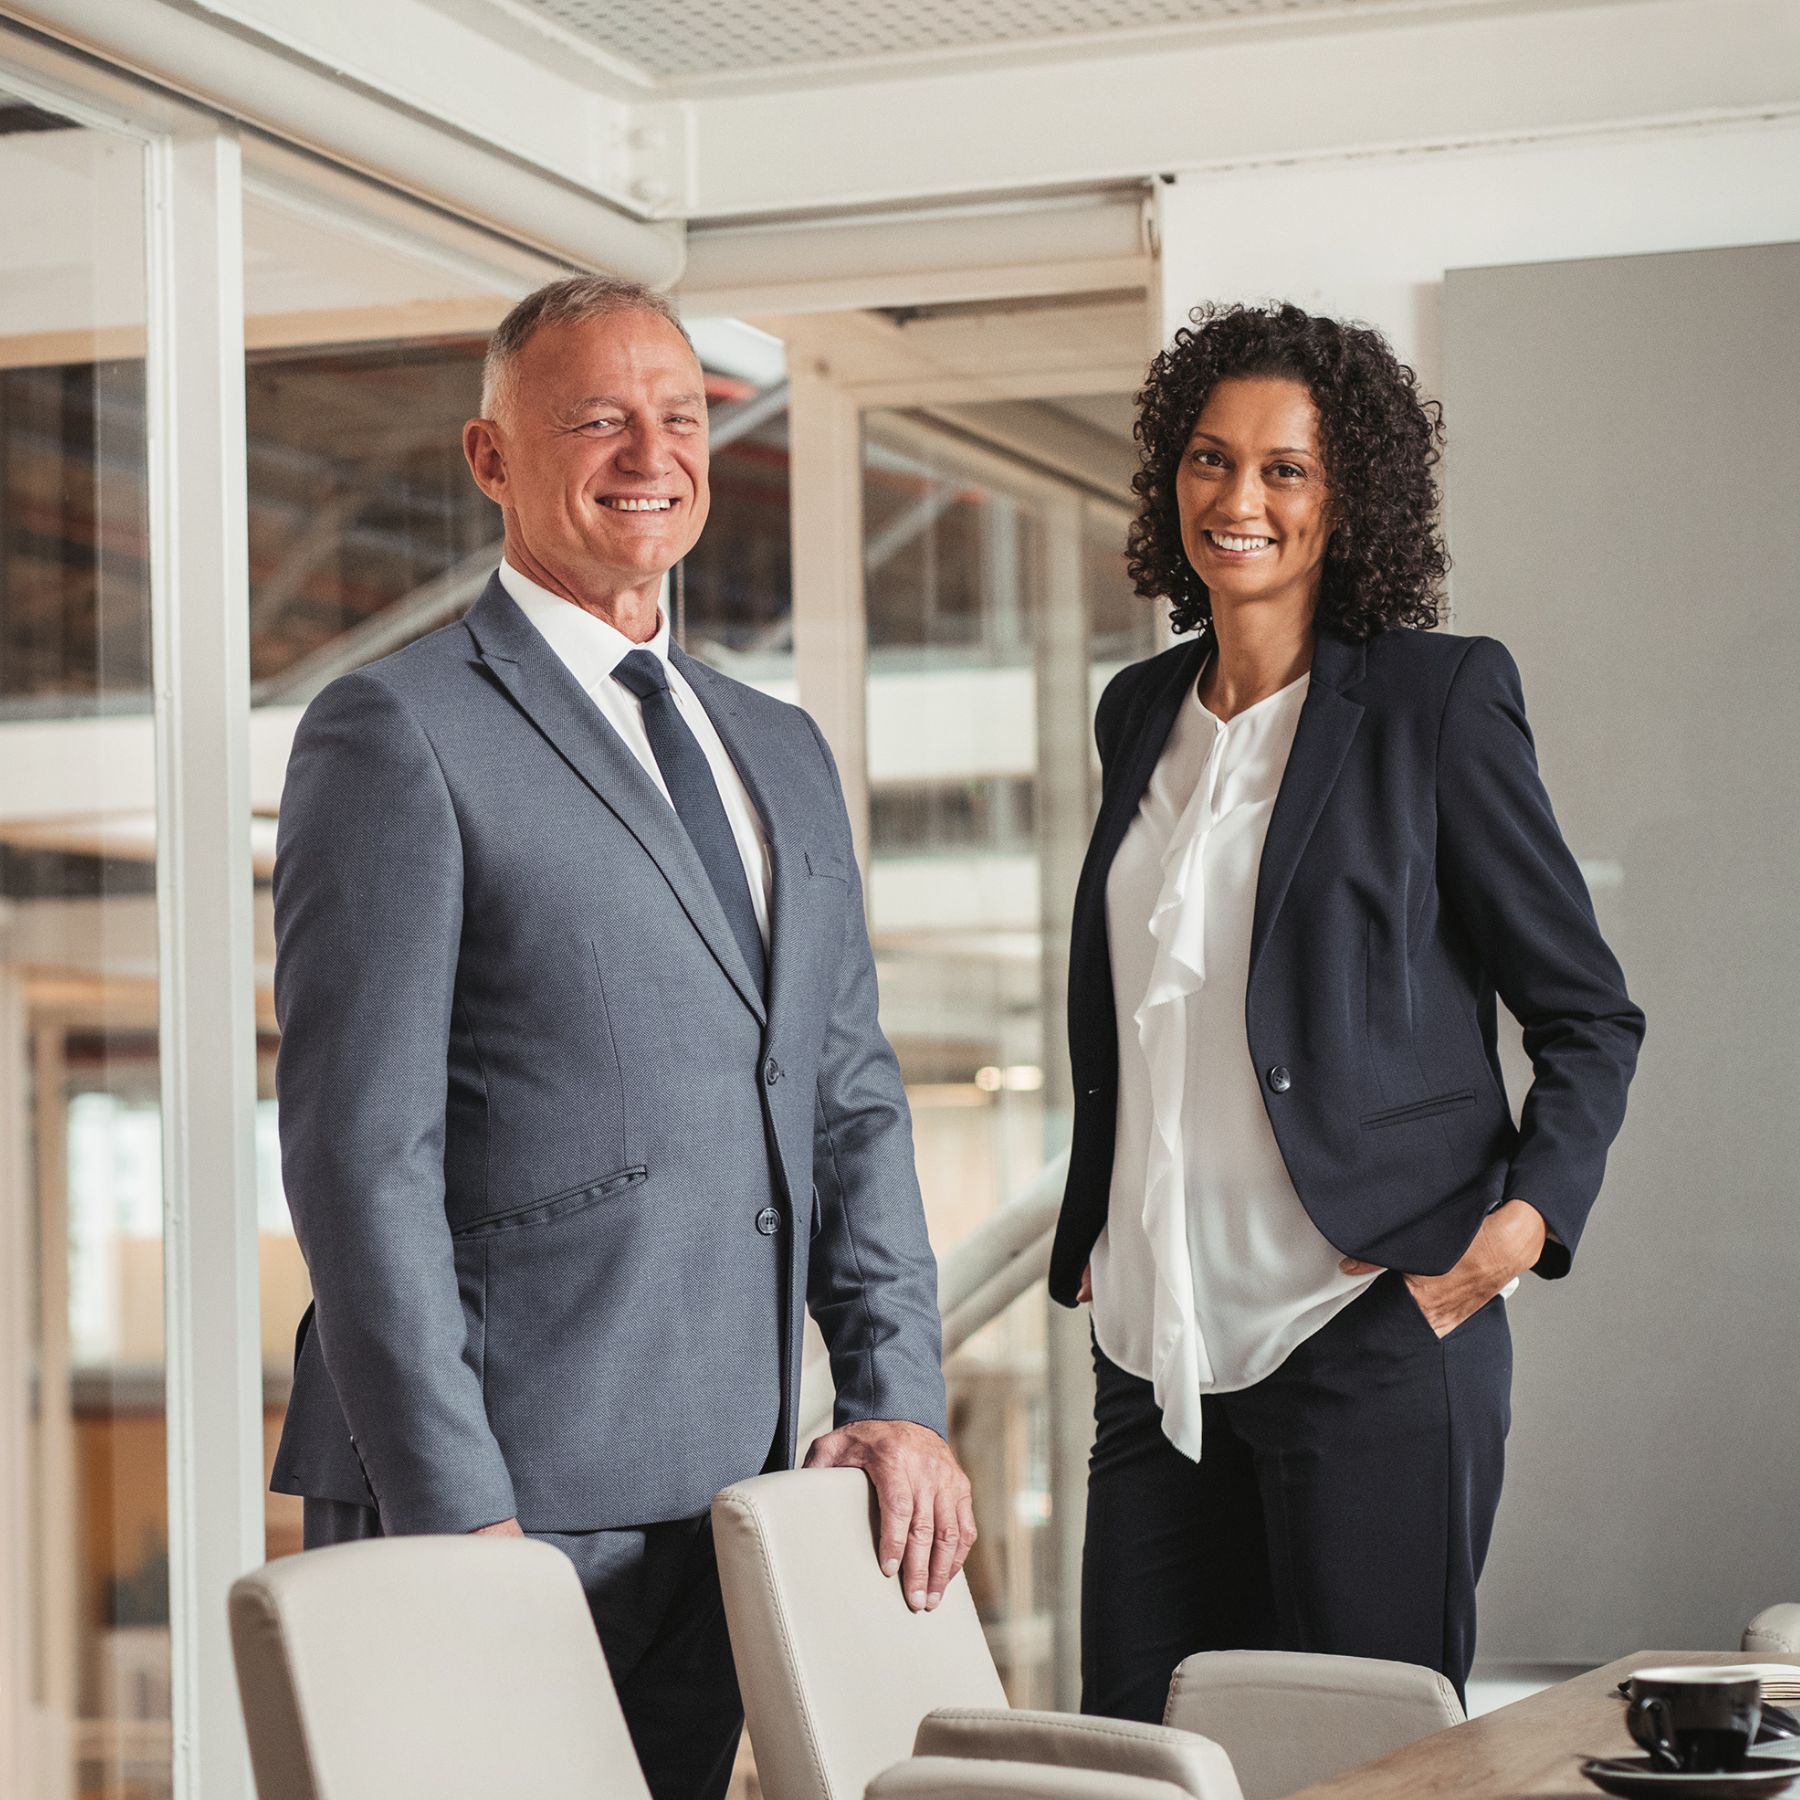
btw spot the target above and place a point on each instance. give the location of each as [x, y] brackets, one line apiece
[562, 1180]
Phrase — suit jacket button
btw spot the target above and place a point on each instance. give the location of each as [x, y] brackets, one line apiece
[771, 1071]
[1279, 1079]
[768, 1221]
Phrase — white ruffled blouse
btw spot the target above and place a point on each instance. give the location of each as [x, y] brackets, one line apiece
[1209, 1271]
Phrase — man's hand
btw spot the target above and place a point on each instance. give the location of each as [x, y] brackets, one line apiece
[506, 1528]
[927, 1518]
[1510, 1241]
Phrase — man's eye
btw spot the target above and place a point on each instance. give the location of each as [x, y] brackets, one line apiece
[608, 424]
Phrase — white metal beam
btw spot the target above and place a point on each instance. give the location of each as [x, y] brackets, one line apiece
[826, 523]
[1079, 244]
[200, 614]
[439, 136]
[1351, 87]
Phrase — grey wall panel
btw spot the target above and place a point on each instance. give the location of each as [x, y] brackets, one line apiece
[1624, 478]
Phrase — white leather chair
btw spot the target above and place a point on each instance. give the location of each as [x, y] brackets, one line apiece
[461, 1668]
[1118, 1749]
[839, 1676]
[1287, 1720]
[952, 1778]
[1775, 1631]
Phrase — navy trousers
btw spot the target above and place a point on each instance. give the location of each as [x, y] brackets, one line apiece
[654, 1594]
[1343, 1504]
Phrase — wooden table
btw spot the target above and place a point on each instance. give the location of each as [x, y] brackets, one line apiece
[1535, 1747]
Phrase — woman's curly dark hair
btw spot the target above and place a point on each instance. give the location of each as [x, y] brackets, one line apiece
[1385, 562]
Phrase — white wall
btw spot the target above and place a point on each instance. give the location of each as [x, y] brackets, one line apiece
[1623, 520]
[1370, 238]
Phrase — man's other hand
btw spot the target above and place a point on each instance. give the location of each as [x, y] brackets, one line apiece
[927, 1517]
[506, 1528]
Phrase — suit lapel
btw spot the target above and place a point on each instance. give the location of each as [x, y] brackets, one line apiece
[1328, 722]
[553, 700]
[1145, 732]
[1148, 722]
[786, 828]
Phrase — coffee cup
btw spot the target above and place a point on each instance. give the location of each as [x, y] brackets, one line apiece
[1696, 1720]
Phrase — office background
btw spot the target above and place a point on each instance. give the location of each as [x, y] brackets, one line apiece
[251, 256]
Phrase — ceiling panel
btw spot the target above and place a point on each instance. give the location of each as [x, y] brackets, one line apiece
[672, 40]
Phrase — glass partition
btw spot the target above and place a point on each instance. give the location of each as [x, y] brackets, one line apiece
[991, 587]
[82, 1356]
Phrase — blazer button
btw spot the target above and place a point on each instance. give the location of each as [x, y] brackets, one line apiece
[768, 1221]
[771, 1071]
[1279, 1079]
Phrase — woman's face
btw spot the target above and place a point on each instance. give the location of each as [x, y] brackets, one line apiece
[1255, 508]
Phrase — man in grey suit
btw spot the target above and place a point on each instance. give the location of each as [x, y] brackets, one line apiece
[583, 1098]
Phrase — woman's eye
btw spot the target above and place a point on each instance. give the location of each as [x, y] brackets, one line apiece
[1290, 472]
[1208, 459]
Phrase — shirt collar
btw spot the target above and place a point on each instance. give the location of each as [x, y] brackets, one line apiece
[590, 647]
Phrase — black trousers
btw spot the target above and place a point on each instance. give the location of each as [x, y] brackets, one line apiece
[654, 1594]
[1343, 1504]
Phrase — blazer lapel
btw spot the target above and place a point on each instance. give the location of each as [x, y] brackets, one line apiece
[1328, 722]
[1142, 736]
[1145, 732]
[788, 831]
[553, 700]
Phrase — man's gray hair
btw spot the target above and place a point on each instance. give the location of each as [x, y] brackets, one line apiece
[572, 301]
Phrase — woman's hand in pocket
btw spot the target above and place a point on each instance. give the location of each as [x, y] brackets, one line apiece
[1085, 1292]
[1510, 1241]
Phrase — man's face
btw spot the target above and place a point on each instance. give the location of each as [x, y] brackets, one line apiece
[599, 457]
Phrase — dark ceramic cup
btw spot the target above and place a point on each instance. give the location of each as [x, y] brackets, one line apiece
[1694, 1720]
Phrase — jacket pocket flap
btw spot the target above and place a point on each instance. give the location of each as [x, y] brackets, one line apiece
[553, 1206]
[1418, 1109]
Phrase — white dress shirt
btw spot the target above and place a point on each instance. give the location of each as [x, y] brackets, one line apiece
[1209, 1271]
[591, 649]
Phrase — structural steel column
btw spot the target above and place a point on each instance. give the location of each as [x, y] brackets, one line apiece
[1064, 818]
[826, 514]
[200, 614]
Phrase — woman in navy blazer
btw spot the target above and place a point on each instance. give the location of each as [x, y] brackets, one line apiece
[1412, 873]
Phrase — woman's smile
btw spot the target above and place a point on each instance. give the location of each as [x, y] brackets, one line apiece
[1236, 545]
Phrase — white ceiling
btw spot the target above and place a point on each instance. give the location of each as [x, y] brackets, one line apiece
[686, 45]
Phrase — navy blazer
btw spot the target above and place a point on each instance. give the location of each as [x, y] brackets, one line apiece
[1413, 871]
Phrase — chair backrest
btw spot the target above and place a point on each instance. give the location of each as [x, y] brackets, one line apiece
[835, 1670]
[953, 1778]
[1287, 1720]
[1121, 1748]
[459, 1667]
[1775, 1631]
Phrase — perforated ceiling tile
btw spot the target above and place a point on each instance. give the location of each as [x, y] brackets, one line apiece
[673, 38]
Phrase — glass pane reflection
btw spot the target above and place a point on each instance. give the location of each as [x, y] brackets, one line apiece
[78, 984]
[980, 786]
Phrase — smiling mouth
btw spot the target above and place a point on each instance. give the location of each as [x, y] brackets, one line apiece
[1233, 545]
[639, 503]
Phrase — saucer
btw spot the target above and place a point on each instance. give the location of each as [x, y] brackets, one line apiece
[1637, 1778]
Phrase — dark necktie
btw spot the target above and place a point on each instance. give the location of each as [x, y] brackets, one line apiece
[689, 779]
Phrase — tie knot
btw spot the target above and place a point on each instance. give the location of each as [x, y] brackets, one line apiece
[642, 672]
